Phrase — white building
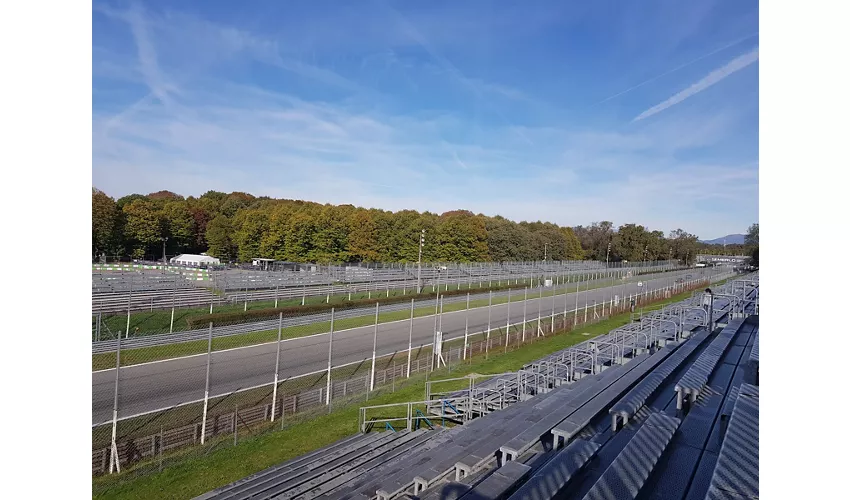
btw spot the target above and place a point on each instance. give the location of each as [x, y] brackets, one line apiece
[188, 259]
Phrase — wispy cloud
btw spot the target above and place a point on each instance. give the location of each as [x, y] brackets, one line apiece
[149, 66]
[677, 68]
[712, 78]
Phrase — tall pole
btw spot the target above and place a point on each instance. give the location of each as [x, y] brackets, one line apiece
[539, 303]
[330, 357]
[466, 327]
[553, 312]
[410, 339]
[374, 350]
[524, 307]
[207, 385]
[508, 322]
[129, 301]
[436, 318]
[277, 360]
[419, 274]
[114, 462]
[164, 262]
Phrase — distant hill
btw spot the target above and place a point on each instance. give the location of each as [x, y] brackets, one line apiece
[731, 239]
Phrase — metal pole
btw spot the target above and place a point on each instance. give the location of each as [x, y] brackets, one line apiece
[173, 298]
[410, 339]
[508, 322]
[129, 300]
[524, 307]
[207, 385]
[114, 462]
[277, 360]
[374, 349]
[330, 355]
[539, 302]
[553, 311]
[489, 308]
[466, 327]
[276, 290]
[585, 306]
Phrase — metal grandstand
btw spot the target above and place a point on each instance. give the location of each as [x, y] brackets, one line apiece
[665, 407]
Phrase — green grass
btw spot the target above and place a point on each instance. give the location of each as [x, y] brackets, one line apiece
[130, 357]
[202, 473]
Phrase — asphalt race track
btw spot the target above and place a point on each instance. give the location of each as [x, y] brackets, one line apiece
[162, 384]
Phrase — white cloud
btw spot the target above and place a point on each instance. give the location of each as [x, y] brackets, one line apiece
[712, 78]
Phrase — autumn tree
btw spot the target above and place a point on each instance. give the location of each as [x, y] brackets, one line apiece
[143, 228]
[362, 237]
[105, 221]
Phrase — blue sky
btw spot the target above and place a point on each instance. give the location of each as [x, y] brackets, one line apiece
[569, 112]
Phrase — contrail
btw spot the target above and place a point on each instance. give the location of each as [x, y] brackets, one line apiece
[715, 76]
[662, 75]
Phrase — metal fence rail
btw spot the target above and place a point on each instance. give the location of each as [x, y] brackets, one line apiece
[110, 289]
[219, 415]
[144, 339]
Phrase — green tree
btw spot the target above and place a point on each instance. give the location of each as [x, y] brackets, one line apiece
[179, 225]
[218, 237]
[752, 238]
[299, 237]
[362, 237]
[104, 222]
[143, 228]
[461, 237]
[595, 238]
[751, 242]
[631, 243]
[572, 246]
[683, 245]
[249, 226]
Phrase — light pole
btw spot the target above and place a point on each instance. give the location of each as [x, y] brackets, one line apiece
[607, 252]
[419, 274]
[545, 249]
[164, 239]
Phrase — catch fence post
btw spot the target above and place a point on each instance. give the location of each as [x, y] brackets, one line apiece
[410, 339]
[330, 357]
[374, 349]
[207, 385]
[277, 362]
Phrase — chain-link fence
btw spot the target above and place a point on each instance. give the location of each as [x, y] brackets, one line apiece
[157, 404]
[159, 298]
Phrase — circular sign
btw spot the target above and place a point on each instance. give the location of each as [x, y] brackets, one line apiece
[640, 283]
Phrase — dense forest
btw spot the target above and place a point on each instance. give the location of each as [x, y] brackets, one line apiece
[239, 227]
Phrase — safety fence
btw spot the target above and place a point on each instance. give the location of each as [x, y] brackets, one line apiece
[151, 328]
[150, 440]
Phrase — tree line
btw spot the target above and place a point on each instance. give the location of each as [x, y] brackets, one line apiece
[240, 227]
